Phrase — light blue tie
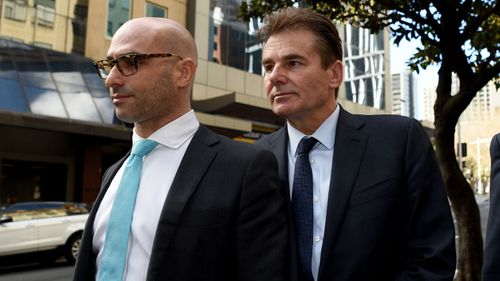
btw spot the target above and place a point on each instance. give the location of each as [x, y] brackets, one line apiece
[114, 256]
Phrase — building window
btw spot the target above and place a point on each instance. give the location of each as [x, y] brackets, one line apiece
[233, 42]
[44, 12]
[364, 67]
[118, 14]
[16, 9]
[153, 10]
[43, 45]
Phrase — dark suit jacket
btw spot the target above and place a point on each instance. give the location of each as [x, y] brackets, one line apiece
[491, 267]
[388, 216]
[223, 219]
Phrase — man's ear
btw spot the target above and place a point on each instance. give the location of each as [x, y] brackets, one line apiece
[336, 74]
[187, 70]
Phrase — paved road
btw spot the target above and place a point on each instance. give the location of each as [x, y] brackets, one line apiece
[38, 273]
[25, 269]
[484, 206]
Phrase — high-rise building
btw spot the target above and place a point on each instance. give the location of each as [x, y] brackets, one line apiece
[404, 94]
[428, 100]
[366, 66]
[483, 106]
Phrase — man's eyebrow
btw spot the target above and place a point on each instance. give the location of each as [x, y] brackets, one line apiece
[293, 57]
[267, 61]
[288, 57]
[110, 57]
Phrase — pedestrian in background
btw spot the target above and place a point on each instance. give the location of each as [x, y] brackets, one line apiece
[491, 266]
[185, 204]
[367, 199]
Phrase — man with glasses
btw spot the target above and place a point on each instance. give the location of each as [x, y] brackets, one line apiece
[204, 207]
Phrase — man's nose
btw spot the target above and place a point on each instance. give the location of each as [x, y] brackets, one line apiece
[277, 75]
[114, 77]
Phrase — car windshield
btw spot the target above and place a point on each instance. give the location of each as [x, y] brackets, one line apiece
[40, 210]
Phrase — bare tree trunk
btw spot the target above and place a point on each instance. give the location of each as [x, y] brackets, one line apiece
[470, 246]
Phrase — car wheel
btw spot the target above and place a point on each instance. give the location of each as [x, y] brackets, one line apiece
[72, 247]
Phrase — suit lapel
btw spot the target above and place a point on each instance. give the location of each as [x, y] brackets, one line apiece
[279, 146]
[197, 159]
[350, 143]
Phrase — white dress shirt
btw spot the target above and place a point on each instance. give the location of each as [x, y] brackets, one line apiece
[158, 172]
[321, 158]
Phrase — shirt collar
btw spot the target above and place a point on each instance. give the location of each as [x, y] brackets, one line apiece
[325, 134]
[175, 133]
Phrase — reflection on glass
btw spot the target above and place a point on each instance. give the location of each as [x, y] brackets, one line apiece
[80, 106]
[69, 82]
[45, 102]
[364, 67]
[11, 97]
[16, 9]
[95, 83]
[155, 11]
[7, 69]
[36, 60]
[231, 41]
[44, 13]
[51, 83]
[37, 79]
[60, 62]
[118, 14]
[20, 60]
[106, 109]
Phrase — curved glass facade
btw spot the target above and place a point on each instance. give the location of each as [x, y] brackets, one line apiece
[364, 67]
[45, 82]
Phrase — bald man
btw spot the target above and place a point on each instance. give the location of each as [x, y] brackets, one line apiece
[207, 207]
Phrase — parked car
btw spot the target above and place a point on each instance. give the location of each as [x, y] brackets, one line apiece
[41, 226]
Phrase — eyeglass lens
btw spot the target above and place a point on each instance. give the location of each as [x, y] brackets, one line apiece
[127, 65]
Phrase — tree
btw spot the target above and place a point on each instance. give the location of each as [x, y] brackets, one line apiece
[462, 37]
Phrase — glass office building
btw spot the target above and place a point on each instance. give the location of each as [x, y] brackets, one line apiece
[57, 124]
[45, 82]
[365, 69]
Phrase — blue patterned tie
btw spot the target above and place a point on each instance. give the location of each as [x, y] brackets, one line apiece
[114, 256]
[302, 204]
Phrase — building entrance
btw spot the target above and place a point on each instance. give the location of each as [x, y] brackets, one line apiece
[22, 181]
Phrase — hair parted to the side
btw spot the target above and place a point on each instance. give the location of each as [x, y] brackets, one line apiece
[329, 45]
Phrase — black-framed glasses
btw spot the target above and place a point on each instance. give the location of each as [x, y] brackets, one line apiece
[127, 64]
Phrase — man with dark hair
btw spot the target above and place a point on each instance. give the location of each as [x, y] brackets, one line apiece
[367, 200]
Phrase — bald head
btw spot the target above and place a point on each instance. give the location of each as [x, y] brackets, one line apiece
[160, 34]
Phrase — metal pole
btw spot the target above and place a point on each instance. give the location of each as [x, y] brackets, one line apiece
[460, 153]
[35, 23]
[479, 182]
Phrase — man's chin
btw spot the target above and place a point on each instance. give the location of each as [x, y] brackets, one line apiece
[125, 118]
[281, 111]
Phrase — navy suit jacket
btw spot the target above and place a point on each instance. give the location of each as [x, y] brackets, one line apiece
[223, 218]
[388, 216]
[491, 267]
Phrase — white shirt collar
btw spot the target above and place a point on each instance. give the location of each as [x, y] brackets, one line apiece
[325, 134]
[175, 133]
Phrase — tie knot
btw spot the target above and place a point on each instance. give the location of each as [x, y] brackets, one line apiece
[143, 147]
[305, 145]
